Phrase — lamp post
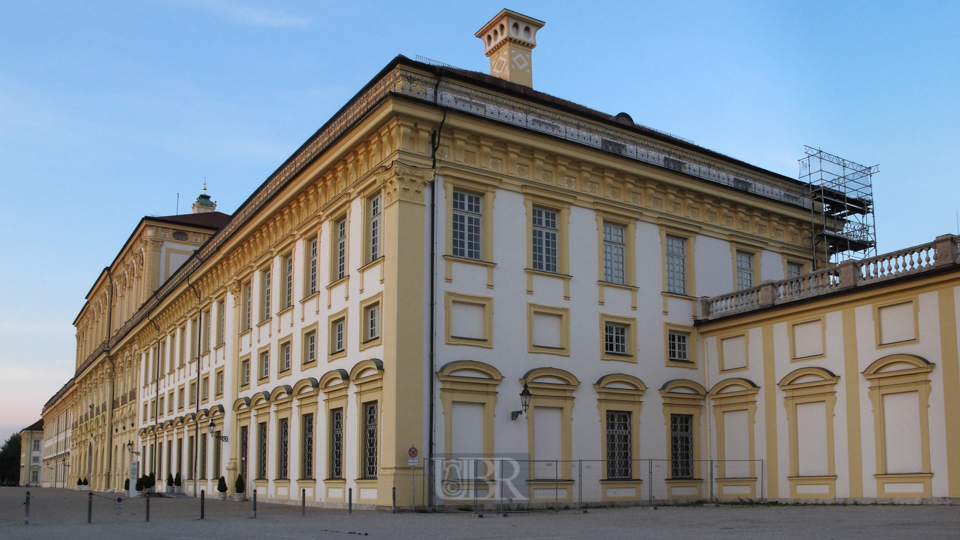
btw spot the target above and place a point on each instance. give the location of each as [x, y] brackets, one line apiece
[524, 402]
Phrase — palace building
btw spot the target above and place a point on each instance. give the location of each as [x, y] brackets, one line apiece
[457, 271]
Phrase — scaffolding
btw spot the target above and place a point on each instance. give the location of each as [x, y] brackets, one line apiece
[842, 219]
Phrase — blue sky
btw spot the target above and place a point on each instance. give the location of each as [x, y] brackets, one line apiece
[109, 109]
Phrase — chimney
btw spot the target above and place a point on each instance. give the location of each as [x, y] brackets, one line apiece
[203, 202]
[508, 41]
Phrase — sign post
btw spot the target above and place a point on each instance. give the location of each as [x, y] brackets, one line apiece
[134, 474]
[413, 462]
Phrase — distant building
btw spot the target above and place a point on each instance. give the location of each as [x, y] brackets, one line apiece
[31, 454]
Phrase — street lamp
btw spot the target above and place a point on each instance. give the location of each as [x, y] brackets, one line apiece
[212, 427]
[524, 402]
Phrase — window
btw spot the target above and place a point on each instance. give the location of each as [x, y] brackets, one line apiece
[287, 280]
[340, 269]
[744, 270]
[194, 337]
[615, 338]
[306, 446]
[469, 320]
[619, 464]
[36, 446]
[162, 357]
[794, 270]
[370, 440]
[193, 393]
[205, 388]
[180, 455]
[677, 342]
[614, 254]
[264, 370]
[310, 347]
[371, 319]
[218, 390]
[170, 402]
[217, 453]
[283, 447]
[336, 443]
[676, 265]
[182, 359]
[245, 372]
[338, 335]
[262, 451]
[285, 356]
[191, 446]
[265, 294]
[180, 235]
[161, 409]
[203, 456]
[681, 446]
[180, 398]
[374, 228]
[207, 324]
[244, 448]
[247, 307]
[544, 240]
[467, 225]
[222, 324]
[311, 274]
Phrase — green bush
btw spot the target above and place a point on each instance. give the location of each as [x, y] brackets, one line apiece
[176, 480]
[169, 480]
[240, 485]
[222, 485]
[140, 484]
[85, 481]
[79, 481]
[126, 484]
[153, 479]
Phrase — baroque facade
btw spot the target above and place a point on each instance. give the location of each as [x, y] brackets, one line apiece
[450, 240]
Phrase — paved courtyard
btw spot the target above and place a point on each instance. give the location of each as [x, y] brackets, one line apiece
[58, 513]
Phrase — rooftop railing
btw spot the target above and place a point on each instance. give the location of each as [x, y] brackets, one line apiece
[847, 275]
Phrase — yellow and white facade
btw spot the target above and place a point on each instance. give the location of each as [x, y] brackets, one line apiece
[449, 239]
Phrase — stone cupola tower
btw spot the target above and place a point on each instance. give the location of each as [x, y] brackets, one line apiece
[508, 40]
[203, 202]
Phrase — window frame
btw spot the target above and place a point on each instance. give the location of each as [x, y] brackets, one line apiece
[535, 198]
[332, 320]
[266, 293]
[630, 326]
[564, 314]
[263, 367]
[305, 334]
[487, 192]
[692, 361]
[366, 305]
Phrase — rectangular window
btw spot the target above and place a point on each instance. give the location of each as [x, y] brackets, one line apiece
[744, 270]
[264, 371]
[244, 449]
[193, 393]
[794, 270]
[245, 372]
[191, 447]
[205, 388]
[370, 440]
[544, 239]
[614, 254]
[619, 463]
[287, 281]
[681, 446]
[217, 453]
[219, 383]
[375, 228]
[163, 357]
[222, 323]
[180, 456]
[310, 347]
[336, 443]
[265, 290]
[161, 405]
[306, 446]
[615, 338]
[194, 337]
[283, 447]
[207, 324]
[202, 462]
[285, 356]
[337, 337]
[36, 446]
[341, 234]
[371, 322]
[180, 398]
[676, 265]
[262, 451]
[312, 248]
[677, 342]
[247, 307]
[182, 359]
[467, 225]
[170, 401]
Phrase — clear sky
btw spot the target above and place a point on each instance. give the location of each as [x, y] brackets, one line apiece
[108, 109]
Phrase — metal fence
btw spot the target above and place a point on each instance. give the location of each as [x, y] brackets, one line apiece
[502, 484]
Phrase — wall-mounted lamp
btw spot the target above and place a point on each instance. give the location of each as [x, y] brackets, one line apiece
[213, 429]
[524, 402]
[130, 448]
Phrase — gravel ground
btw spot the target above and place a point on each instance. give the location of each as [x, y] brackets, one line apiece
[57, 513]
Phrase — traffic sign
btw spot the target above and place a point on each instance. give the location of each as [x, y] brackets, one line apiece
[412, 452]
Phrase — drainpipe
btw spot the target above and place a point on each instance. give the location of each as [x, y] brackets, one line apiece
[156, 397]
[196, 397]
[109, 396]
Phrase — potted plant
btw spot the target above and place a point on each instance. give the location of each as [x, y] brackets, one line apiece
[169, 483]
[153, 482]
[222, 489]
[126, 485]
[240, 485]
[86, 484]
[140, 488]
[79, 484]
[176, 484]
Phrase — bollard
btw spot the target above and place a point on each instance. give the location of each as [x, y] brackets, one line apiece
[203, 495]
[350, 501]
[303, 503]
[26, 510]
[394, 499]
[254, 502]
[89, 507]
[148, 507]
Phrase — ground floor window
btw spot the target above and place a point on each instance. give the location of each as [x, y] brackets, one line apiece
[681, 445]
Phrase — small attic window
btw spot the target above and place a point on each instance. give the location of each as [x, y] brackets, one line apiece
[179, 235]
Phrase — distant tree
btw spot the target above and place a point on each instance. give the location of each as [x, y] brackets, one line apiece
[10, 459]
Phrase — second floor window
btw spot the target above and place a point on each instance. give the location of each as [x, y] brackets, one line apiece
[372, 321]
[285, 356]
[287, 281]
[614, 254]
[744, 270]
[310, 347]
[222, 323]
[219, 385]
[207, 324]
[677, 342]
[341, 267]
[245, 372]
[544, 240]
[337, 335]
[615, 338]
[375, 228]
[265, 294]
[794, 270]
[312, 248]
[467, 225]
[264, 364]
[193, 393]
[182, 359]
[676, 265]
[247, 307]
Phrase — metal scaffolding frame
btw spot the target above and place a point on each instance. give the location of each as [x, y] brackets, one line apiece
[842, 213]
